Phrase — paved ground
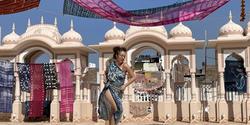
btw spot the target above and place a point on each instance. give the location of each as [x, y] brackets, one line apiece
[135, 123]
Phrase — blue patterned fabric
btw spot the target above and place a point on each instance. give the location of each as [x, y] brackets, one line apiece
[235, 76]
[6, 99]
[6, 85]
[24, 76]
[115, 79]
[6, 74]
[27, 105]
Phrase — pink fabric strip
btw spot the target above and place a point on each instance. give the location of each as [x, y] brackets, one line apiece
[66, 86]
[36, 90]
[195, 10]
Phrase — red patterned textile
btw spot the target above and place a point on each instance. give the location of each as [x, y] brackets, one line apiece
[66, 86]
[36, 90]
[15, 6]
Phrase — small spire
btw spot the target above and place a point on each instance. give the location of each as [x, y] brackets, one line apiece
[41, 19]
[71, 24]
[230, 15]
[13, 27]
[55, 22]
[29, 22]
[114, 24]
[180, 23]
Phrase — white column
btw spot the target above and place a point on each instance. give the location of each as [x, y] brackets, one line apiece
[55, 111]
[101, 70]
[168, 87]
[77, 102]
[17, 106]
[193, 90]
[77, 93]
[248, 98]
[17, 89]
[248, 85]
[222, 86]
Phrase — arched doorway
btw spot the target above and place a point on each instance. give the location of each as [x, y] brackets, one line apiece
[147, 63]
[235, 84]
[181, 85]
[37, 55]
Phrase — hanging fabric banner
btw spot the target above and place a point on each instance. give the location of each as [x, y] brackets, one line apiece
[6, 74]
[37, 91]
[15, 6]
[66, 86]
[6, 85]
[24, 76]
[50, 77]
[235, 76]
[178, 12]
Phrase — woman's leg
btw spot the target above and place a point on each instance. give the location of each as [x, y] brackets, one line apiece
[113, 106]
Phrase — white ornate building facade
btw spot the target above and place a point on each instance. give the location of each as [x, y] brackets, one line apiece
[188, 100]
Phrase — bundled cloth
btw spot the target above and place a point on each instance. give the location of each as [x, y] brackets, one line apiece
[66, 85]
[6, 86]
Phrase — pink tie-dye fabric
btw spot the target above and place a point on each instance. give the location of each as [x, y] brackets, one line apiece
[194, 10]
[66, 86]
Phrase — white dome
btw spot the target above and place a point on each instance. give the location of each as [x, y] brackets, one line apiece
[180, 31]
[45, 30]
[134, 29]
[231, 29]
[11, 38]
[114, 34]
[71, 35]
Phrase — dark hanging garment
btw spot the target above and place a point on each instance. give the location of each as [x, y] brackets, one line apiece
[24, 76]
[6, 85]
[37, 91]
[50, 77]
[235, 76]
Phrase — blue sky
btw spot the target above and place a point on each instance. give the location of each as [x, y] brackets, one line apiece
[93, 30]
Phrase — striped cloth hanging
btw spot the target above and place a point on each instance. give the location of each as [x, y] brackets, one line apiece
[6, 85]
[66, 86]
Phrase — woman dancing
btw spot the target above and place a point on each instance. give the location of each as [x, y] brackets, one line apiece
[110, 100]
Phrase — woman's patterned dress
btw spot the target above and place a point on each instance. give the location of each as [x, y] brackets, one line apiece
[115, 79]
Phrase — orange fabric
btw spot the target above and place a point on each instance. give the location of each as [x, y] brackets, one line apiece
[15, 6]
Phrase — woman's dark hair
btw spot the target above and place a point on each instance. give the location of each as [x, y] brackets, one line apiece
[117, 50]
